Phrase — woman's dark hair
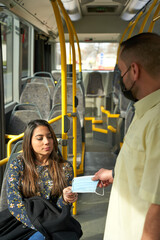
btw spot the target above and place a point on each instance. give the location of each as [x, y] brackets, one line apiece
[29, 177]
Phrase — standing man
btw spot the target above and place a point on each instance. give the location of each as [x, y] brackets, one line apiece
[134, 207]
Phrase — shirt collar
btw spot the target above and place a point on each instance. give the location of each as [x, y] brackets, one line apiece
[147, 103]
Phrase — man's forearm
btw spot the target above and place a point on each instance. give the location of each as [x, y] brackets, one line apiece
[151, 229]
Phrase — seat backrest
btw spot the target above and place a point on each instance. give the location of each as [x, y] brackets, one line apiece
[56, 111]
[21, 115]
[38, 94]
[79, 94]
[48, 81]
[116, 90]
[45, 75]
[129, 116]
[56, 75]
[123, 104]
[14, 154]
[95, 85]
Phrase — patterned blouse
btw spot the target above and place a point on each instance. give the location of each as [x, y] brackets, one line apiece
[14, 197]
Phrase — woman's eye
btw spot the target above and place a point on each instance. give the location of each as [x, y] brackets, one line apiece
[39, 139]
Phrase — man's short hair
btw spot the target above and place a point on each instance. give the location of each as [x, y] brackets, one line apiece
[144, 49]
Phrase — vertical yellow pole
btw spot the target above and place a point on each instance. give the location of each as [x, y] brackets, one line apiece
[134, 23]
[147, 16]
[79, 51]
[63, 72]
[154, 19]
[70, 52]
[73, 94]
[131, 24]
[123, 35]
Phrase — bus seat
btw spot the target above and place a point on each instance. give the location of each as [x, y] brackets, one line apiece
[38, 94]
[123, 122]
[46, 81]
[79, 94]
[21, 115]
[95, 85]
[44, 75]
[15, 152]
[116, 91]
[108, 89]
[129, 116]
[56, 75]
[94, 93]
[123, 104]
[56, 111]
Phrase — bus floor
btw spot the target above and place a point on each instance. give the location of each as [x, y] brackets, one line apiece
[92, 208]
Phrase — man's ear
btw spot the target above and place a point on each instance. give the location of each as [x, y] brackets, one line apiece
[135, 71]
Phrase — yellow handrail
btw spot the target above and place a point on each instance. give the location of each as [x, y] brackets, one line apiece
[3, 161]
[17, 137]
[81, 167]
[147, 16]
[135, 22]
[112, 129]
[77, 40]
[63, 71]
[123, 35]
[131, 24]
[11, 141]
[110, 115]
[99, 129]
[66, 17]
[97, 121]
[89, 118]
[154, 19]
[9, 136]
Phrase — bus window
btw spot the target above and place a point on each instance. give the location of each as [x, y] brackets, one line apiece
[7, 51]
[25, 49]
[95, 56]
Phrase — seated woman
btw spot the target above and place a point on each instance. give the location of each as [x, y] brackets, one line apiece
[39, 171]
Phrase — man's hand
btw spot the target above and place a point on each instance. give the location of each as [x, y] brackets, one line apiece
[104, 176]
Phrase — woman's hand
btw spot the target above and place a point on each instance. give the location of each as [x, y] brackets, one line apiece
[69, 196]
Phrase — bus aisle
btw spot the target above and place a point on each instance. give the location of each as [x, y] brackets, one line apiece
[92, 208]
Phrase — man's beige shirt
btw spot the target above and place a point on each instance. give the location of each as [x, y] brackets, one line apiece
[137, 173]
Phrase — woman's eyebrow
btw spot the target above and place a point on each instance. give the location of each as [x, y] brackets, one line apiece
[38, 135]
[42, 134]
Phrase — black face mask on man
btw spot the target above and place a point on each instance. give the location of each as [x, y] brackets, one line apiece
[127, 93]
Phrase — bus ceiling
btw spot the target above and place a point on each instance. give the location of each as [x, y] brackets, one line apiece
[40, 12]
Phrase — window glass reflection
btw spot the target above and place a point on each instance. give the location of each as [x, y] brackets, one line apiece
[7, 51]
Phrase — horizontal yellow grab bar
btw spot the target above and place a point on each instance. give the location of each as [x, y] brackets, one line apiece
[97, 121]
[110, 115]
[8, 136]
[17, 137]
[112, 129]
[3, 161]
[104, 111]
[113, 115]
[89, 118]
[99, 129]
[11, 141]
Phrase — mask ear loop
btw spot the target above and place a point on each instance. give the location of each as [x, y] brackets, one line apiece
[100, 194]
